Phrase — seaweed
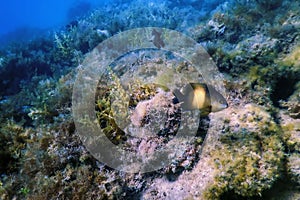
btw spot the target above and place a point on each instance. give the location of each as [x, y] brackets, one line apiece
[248, 161]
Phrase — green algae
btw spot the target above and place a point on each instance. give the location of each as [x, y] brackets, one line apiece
[292, 59]
[248, 161]
[107, 114]
[13, 139]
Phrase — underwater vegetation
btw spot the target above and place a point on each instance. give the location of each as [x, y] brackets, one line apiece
[250, 158]
[251, 150]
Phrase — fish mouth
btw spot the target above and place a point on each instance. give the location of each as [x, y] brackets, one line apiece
[220, 107]
[225, 105]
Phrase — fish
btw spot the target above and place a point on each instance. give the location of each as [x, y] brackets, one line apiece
[200, 96]
[157, 39]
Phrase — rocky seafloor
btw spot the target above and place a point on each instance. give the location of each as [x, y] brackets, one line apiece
[251, 149]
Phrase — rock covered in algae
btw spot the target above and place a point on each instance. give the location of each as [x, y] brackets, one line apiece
[292, 61]
[249, 157]
[293, 165]
[291, 128]
[243, 156]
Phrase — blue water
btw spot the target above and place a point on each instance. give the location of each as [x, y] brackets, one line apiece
[29, 16]
[23, 19]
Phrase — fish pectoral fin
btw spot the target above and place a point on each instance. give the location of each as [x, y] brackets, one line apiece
[205, 111]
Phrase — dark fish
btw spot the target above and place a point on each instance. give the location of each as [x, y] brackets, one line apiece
[157, 40]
